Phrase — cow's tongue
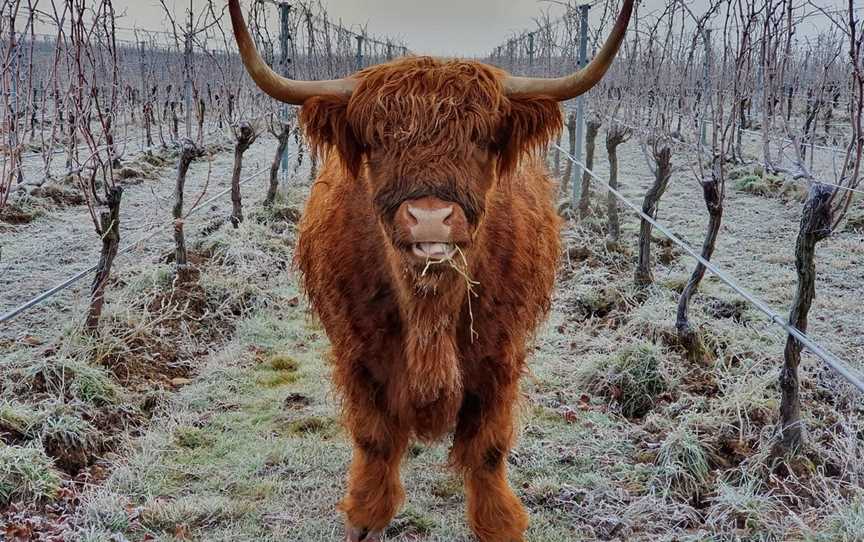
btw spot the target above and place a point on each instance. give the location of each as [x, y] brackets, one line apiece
[434, 250]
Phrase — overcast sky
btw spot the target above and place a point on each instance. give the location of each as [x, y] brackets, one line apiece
[439, 27]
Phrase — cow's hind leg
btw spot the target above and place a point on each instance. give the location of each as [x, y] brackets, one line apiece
[375, 491]
[482, 441]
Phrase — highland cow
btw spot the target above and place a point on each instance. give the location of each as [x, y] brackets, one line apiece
[428, 249]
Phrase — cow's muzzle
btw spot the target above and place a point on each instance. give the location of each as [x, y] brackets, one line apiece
[432, 229]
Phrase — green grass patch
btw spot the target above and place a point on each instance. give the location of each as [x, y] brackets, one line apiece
[70, 440]
[26, 474]
[16, 419]
[283, 362]
[448, 487]
[275, 379]
[682, 464]
[543, 491]
[318, 425]
[72, 379]
[540, 414]
[192, 437]
[276, 369]
[633, 377]
[258, 489]
[759, 185]
[185, 515]
[411, 523]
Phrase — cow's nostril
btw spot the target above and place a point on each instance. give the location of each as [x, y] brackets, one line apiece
[439, 216]
[411, 216]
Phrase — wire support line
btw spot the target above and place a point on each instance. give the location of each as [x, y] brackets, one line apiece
[842, 367]
[754, 133]
[836, 150]
[694, 147]
[691, 146]
[81, 274]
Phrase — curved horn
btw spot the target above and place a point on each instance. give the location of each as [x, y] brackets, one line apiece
[284, 90]
[570, 86]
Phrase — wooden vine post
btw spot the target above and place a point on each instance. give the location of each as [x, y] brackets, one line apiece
[188, 152]
[245, 136]
[816, 220]
[616, 135]
[109, 232]
[282, 131]
[571, 138]
[592, 128]
[662, 172]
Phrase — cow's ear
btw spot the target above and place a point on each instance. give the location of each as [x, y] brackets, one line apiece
[528, 126]
[325, 121]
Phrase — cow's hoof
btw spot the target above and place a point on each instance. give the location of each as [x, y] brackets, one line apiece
[363, 535]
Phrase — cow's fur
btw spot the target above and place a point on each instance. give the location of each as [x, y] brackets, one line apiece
[404, 360]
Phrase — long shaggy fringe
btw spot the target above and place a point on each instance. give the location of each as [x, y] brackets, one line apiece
[421, 102]
[434, 112]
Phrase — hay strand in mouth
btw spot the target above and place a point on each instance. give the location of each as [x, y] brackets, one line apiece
[470, 283]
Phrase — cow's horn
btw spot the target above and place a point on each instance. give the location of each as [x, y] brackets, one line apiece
[570, 86]
[284, 90]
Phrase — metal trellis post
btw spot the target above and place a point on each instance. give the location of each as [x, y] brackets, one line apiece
[580, 106]
[143, 87]
[359, 52]
[310, 45]
[187, 85]
[706, 83]
[13, 116]
[760, 82]
[285, 68]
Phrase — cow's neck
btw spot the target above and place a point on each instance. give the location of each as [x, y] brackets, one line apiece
[430, 307]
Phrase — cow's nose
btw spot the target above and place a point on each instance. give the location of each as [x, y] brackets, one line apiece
[427, 219]
[431, 218]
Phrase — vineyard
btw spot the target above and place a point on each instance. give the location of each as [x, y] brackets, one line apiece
[699, 375]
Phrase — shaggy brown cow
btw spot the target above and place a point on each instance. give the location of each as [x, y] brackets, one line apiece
[431, 182]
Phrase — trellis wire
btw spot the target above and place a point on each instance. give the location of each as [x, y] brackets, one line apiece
[843, 368]
[75, 278]
[642, 130]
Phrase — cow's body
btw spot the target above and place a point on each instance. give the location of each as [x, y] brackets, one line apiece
[428, 249]
[419, 348]
[356, 293]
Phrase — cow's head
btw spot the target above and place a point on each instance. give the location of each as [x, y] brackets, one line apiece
[430, 138]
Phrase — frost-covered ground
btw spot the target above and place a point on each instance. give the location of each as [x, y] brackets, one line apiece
[61, 240]
[622, 438]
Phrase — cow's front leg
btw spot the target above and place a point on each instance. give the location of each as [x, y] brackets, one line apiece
[484, 436]
[375, 491]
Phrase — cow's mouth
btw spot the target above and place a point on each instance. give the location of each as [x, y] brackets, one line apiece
[434, 251]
